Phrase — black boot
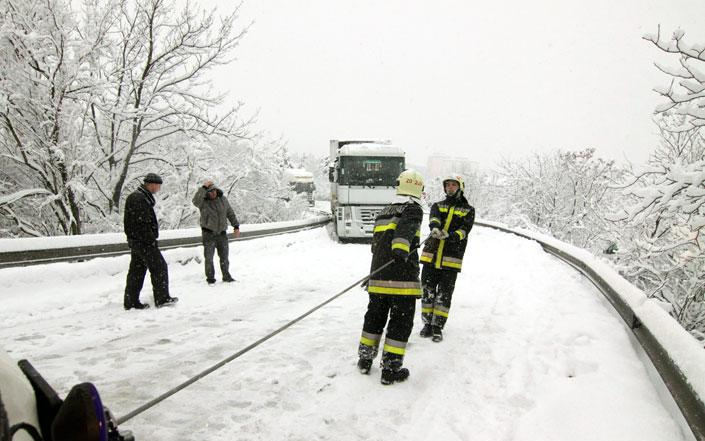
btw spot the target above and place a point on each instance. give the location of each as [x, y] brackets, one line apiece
[437, 334]
[137, 306]
[389, 376]
[426, 331]
[364, 366]
[170, 301]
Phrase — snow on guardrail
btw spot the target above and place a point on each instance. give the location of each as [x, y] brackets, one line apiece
[32, 251]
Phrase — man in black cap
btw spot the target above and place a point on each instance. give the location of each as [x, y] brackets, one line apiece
[142, 231]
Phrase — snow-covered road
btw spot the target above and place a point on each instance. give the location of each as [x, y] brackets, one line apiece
[531, 351]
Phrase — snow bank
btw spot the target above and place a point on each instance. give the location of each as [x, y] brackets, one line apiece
[682, 348]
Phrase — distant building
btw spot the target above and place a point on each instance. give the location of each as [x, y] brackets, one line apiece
[439, 166]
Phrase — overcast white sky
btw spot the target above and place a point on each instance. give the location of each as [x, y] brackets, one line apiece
[474, 79]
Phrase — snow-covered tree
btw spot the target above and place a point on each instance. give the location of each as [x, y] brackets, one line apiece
[95, 95]
[663, 246]
[248, 171]
[155, 86]
[685, 95]
[44, 78]
[563, 193]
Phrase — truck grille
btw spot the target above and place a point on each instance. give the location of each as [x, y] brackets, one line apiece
[368, 215]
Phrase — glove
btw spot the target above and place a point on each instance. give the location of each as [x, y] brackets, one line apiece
[399, 256]
[444, 234]
[436, 233]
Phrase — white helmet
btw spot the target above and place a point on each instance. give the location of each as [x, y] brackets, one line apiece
[457, 178]
[410, 183]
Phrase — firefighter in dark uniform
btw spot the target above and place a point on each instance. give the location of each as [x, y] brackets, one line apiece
[394, 289]
[450, 222]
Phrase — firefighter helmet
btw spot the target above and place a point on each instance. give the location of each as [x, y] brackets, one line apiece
[457, 178]
[410, 183]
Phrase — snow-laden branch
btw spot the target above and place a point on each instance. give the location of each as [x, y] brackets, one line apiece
[18, 195]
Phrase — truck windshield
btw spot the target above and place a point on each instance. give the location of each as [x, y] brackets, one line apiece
[302, 187]
[370, 170]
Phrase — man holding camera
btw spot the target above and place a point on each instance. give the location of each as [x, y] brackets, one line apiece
[215, 213]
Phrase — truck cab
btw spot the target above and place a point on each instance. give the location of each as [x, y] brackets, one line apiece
[363, 177]
[300, 181]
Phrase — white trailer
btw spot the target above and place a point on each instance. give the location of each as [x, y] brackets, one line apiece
[363, 176]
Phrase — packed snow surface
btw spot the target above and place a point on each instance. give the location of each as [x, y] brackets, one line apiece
[531, 351]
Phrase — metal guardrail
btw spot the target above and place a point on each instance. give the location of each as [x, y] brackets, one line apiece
[685, 397]
[76, 253]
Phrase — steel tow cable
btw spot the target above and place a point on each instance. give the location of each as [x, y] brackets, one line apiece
[237, 354]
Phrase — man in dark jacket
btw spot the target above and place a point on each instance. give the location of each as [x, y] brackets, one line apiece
[450, 221]
[142, 231]
[215, 214]
[394, 289]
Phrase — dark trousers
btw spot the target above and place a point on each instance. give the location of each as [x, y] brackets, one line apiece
[143, 257]
[211, 242]
[400, 311]
[438, 286]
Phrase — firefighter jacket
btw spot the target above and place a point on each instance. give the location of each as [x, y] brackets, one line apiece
[455, 216]
[396, 237]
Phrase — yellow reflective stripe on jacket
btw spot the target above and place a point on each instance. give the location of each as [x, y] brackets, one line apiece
[434, 220]
[452, 262]
[418, 233]
[426, 257]
[439, 253]
[394, 287]
[394, 291]
[460, 233]
[399, 244]
[389, 226]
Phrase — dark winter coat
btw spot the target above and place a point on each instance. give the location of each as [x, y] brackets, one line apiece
[456, 216]
[139, 218]
[396, 237]
[215, 213]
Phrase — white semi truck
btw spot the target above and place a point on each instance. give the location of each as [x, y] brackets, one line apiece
[363, 177]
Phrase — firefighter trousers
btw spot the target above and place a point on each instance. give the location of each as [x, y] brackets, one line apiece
[400, 310]
[438, 286]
